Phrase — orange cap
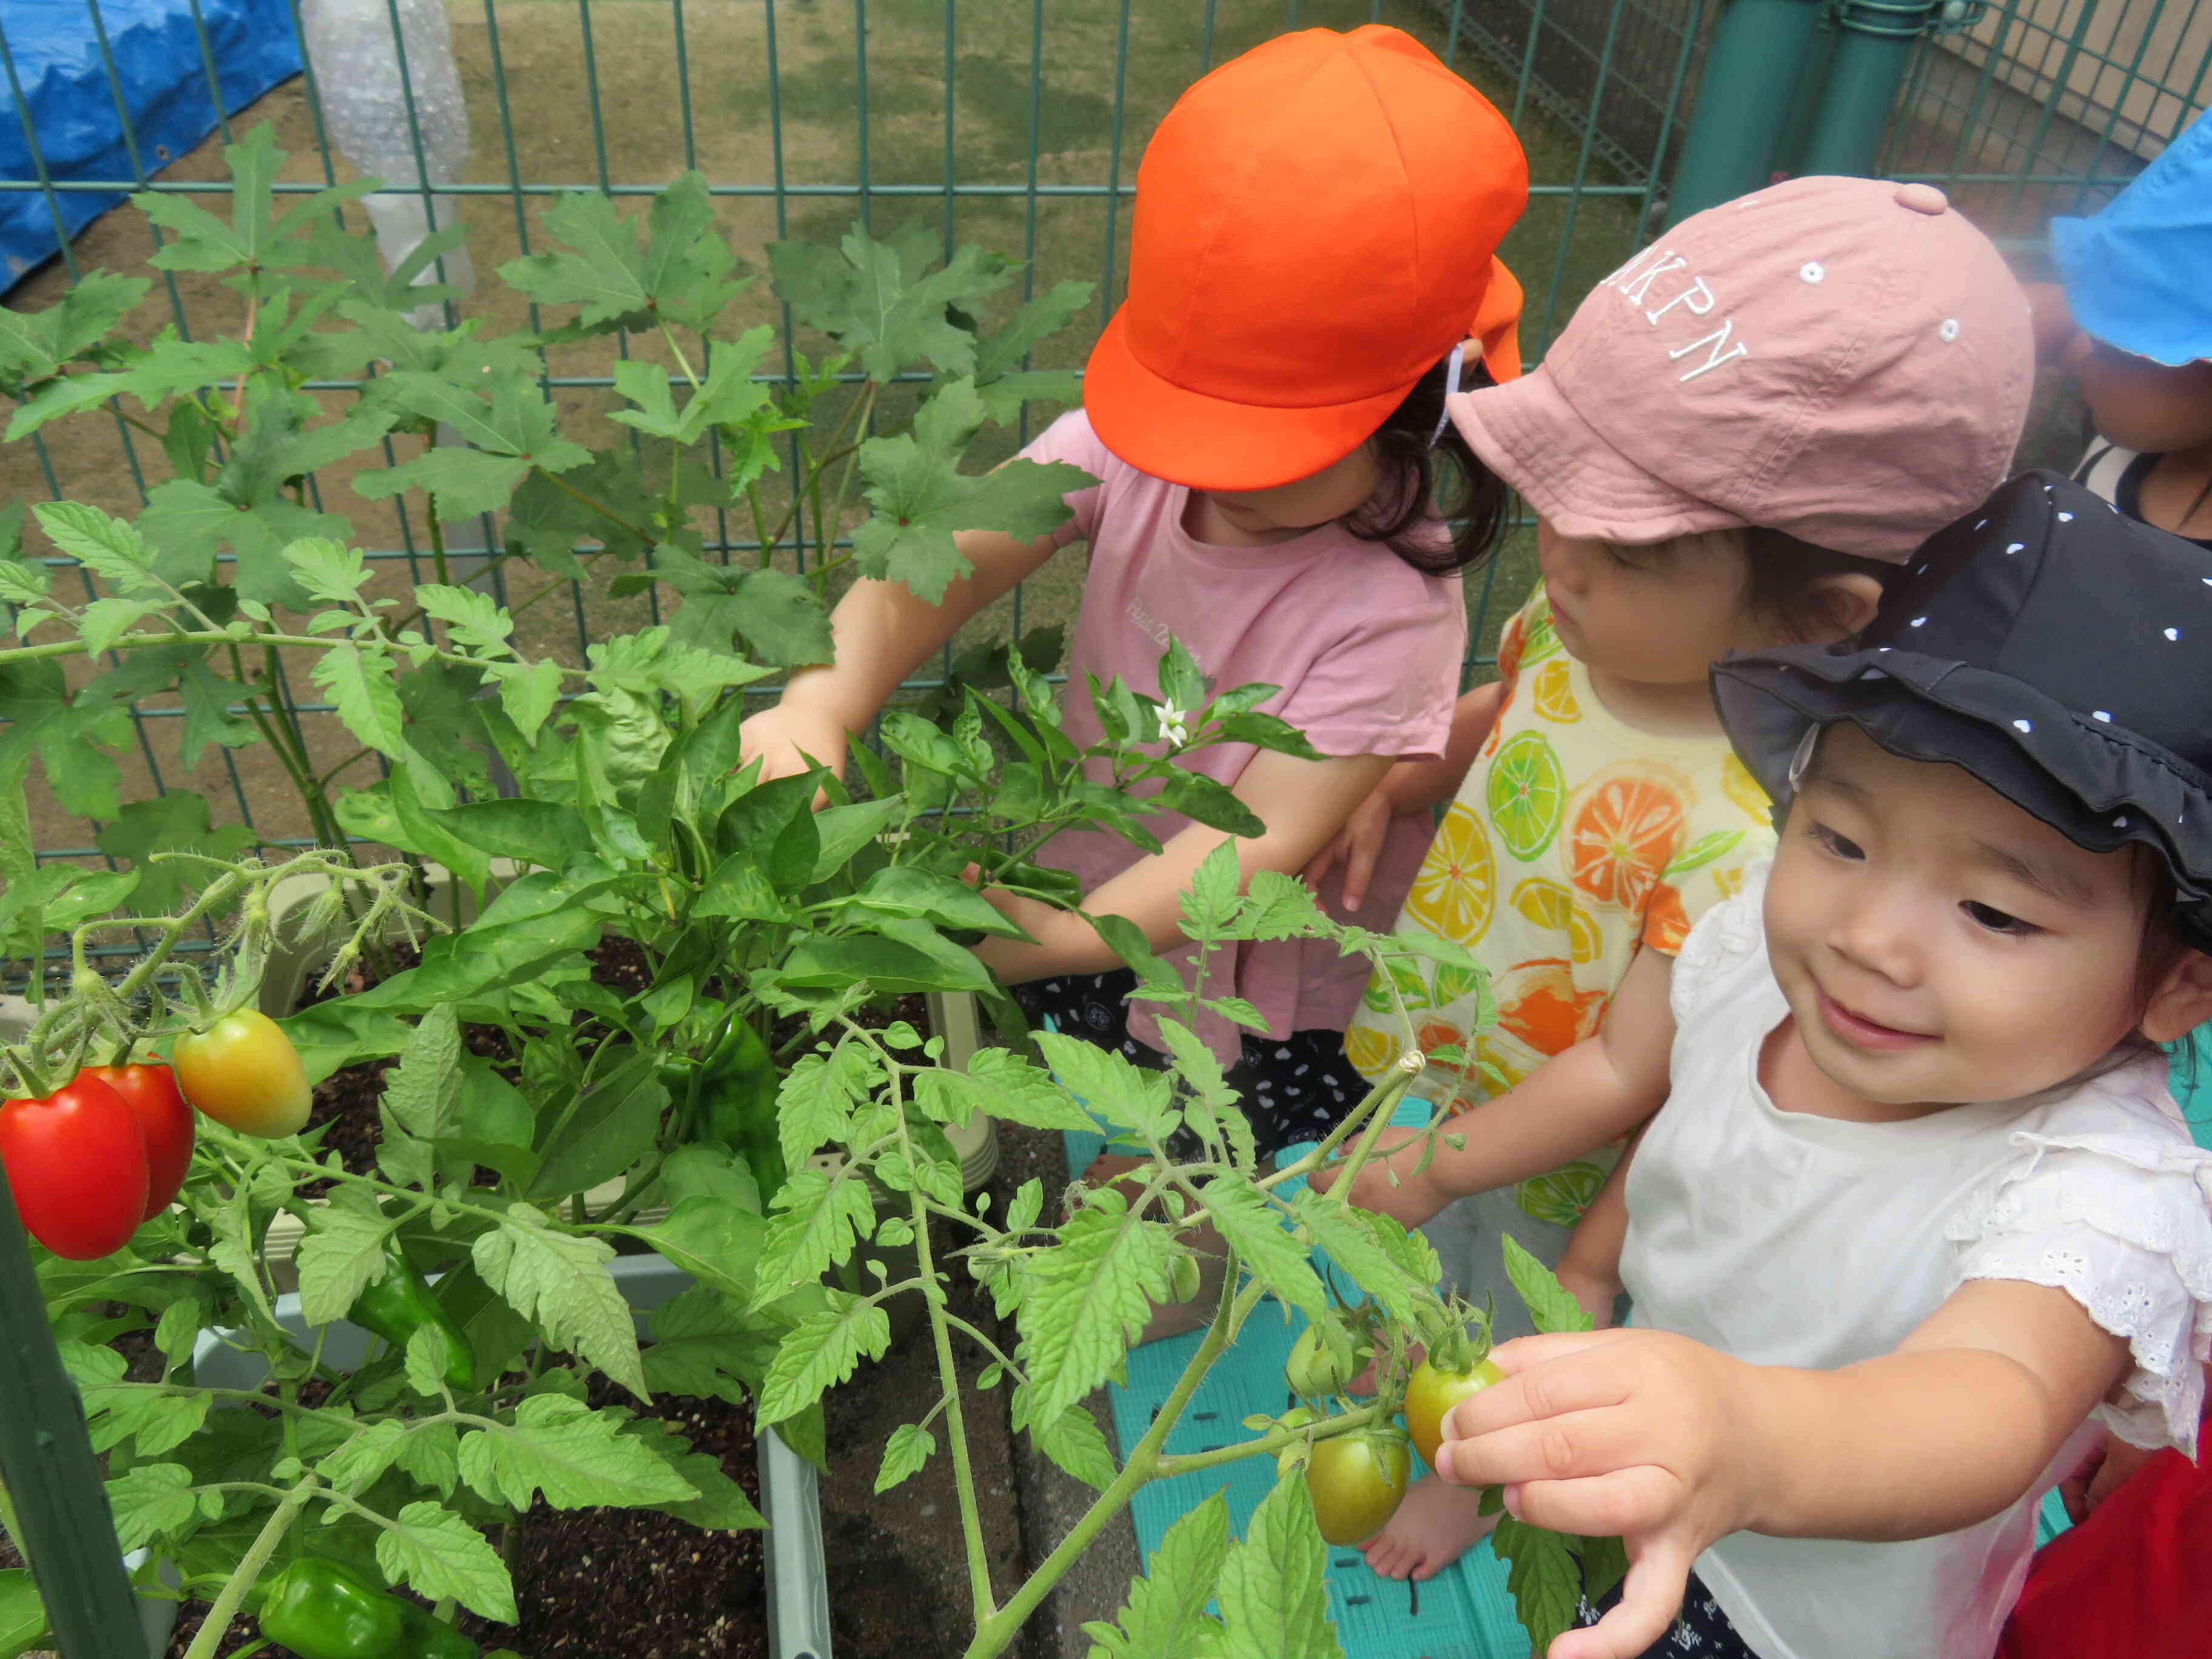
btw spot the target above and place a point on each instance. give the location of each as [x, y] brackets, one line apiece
[1316, 225]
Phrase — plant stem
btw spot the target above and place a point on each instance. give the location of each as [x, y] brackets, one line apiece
[212, 1630]
[994, 1634]
[1271, 1442]
[437, 538]
[948, 1373]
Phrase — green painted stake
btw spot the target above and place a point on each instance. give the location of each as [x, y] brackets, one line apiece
[61, 1505]
[1743, 102]
[1873, 45]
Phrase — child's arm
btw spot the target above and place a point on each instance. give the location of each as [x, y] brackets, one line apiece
[1410, 786]
[1595, 1092]
[1302, 802]
[1674, 1445]
[1590, 1268]
[880, 631]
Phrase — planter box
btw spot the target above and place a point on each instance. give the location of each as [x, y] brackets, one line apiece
[794, 1566]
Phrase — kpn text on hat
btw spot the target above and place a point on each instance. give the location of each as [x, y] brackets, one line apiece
[1316, 226]
[1847, 359]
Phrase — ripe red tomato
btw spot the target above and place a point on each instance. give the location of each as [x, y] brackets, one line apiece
[243, 1072]
[1356, 1481]
[77, 1165]
[1431, 1395]
[151, 1091]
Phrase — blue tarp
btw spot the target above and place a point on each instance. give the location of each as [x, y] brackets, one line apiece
[164, 84]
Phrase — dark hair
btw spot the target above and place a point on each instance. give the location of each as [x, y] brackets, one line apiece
[1408, 499]
[1785, 578]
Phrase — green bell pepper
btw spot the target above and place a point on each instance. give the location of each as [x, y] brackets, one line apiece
[734, 1090]
[322, 1609]
[423, 1635]
[400, 1303]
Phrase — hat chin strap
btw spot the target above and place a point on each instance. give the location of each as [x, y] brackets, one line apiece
[1451, 390]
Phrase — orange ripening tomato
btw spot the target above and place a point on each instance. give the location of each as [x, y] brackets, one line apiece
[164, 1121]
[76, 1165]
[244, 1072]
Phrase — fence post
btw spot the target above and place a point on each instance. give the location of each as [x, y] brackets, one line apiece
[1873, 44]
[1744, 98]
[52, 1478]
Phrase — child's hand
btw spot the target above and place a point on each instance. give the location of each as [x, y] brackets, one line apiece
[1356, 846]
[1414, 1197]
[782, 736]
[1639, 1433]
[2103, 1472]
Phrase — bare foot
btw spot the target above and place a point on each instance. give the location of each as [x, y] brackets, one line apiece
[1437, 1524]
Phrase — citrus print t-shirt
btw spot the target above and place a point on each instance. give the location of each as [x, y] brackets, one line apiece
[1575, 839]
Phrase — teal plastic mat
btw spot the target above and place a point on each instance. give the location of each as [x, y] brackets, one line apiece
[1463, 1613]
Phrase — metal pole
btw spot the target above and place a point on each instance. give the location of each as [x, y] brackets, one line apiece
[61, 1503]
[1744, 98]
[1874, 46]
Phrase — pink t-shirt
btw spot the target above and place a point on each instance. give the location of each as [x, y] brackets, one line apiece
[1366, 648]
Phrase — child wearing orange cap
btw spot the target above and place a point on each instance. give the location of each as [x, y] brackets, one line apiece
[1736, 440]
[1313, 271]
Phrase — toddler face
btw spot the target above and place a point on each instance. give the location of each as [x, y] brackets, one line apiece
[1656, 615]
[1937, 943]
[1303, 504]
[2140, 404]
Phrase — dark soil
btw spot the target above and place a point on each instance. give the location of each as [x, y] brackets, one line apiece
[598, 1582]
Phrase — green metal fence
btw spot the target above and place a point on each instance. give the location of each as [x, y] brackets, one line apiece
[1019, 123]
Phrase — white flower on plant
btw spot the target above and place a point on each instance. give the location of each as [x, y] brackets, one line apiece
[1173, 729]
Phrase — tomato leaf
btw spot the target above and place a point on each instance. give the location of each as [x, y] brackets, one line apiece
[342, 1255]
[1088, 1294]
[151, 1500]
[437, 1554]
[907, 1449]
[816, 1227]
[1545, 1578]
[574, 1455]
[1003, 1084]
[1165, 1616]
[562, 1282]
[1129, 1096]
[1550, 1307]
[1274, 1602]
[1255, 1230]
[1074, 1441]
[821, 1350]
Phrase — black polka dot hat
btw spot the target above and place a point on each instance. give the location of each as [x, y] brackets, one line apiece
[2059, 652]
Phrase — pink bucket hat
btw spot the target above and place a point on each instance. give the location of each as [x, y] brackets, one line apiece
[1846, 360]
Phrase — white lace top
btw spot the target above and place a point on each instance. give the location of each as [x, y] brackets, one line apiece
[1790, 1239]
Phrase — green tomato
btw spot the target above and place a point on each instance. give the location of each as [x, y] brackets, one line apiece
[1182, 1278]
[1317, 1369]
[1356, 1482]
[1431, 1394]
